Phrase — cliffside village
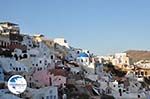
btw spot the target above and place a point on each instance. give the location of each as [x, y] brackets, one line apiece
[55, 70]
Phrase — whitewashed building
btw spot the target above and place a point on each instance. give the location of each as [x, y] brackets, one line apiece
[8, 96]
[1, 74]
[50, 92]
[27, 41]
[83, 58]
[143, 63]
[42, 63]
[120, 59]
[10, 64]
[62, 42]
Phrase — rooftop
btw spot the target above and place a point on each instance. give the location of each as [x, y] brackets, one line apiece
[8, 23]
[59, 72]
[83, 55]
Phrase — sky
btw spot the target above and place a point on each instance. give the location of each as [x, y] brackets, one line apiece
[101, 26]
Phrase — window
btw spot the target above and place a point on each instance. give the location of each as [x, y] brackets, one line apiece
[30, 45]
[124, 90]
[51, 97]
[146, 73]
[40, 68]
[7, 44]
[2, 43]
[127, 89]
[16, 69]
[136, 73]
[52, 57]
[47, 97]
[142, 73]
[54, 97]
[25, 56]
[42, 97]
[10, 64]
[40, 61]
[45, 61]
[19, 68]
[88, 52]
[133, 86]
[36, 64]
[65, 41]
[50, 91]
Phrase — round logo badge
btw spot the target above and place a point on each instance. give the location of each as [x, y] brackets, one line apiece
[17, 84]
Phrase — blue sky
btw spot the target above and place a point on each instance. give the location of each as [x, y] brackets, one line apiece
[102, 26]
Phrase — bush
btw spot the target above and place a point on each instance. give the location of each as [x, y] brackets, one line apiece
[116, 72]
[107, 97]
[84, 96]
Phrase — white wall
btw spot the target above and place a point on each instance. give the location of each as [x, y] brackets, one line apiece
[27, 40]
[61, 41]
[46, 93]
[9, 64]
[42, 62]
[83, 60]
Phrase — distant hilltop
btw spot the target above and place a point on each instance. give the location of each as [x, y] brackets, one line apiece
[136, 55]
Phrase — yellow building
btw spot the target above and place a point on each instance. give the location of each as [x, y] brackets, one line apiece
[142, 72]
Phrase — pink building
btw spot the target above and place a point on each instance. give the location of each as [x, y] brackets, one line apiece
[54, 77]
[43, 77]
[59, 77]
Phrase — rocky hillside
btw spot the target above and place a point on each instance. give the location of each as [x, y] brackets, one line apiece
[136, 55]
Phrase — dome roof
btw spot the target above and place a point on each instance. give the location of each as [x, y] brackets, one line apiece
[83, 55]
